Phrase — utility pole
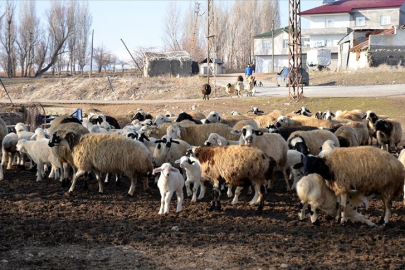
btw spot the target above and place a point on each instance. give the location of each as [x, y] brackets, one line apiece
[211, 54]
[272, 46]
[295, 87]
[194, 38]
[91, 57]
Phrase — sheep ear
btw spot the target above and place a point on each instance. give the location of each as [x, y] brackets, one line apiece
[235, 132]
[157, 170]
[174, 169]
[191, 162]
[298, 165]
[177, 161]
[72, 138]
[219, 142]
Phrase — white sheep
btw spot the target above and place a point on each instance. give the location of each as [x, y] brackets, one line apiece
[160, 119]
[193, 174]
[310, 142]
[23, 133]
[168, 150]
[9, 150]
[367, 169]
[41, 154]
[170, 181]
[104, 153]
[239, 88]
[327, 146]
[295, 161]
[215, 139]
[314, 193]
[39, 134]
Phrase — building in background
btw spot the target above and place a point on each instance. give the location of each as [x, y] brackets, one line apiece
[176, 64]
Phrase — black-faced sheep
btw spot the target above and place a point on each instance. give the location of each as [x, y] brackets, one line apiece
[388, 133]
[206, 91]
[235, 165]
[168, 150]
[272, 145]
[103, 153]
[310, 142]
[285, 132]
[170, 181]
[304, 111]
[256, 111]
[364, 168]
[314, 193]
[186, 116]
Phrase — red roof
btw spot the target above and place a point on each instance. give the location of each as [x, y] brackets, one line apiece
[364, 45]
[345, 6]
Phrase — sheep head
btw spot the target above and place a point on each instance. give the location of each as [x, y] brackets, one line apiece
[317, 165]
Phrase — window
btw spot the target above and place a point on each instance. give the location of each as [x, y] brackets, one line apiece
[285, 43]
[360, 21]
[385, 20]
[320, 44]
[329, 43]
[266, 44]
[305, 42]
[328, 23]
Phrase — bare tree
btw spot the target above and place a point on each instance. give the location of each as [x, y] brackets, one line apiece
[59, 31]
[84, 22]
[73, 10]
[171, 28]
[8, 38]
[101, 57]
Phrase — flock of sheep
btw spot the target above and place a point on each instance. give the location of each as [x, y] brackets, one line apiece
[332, 158]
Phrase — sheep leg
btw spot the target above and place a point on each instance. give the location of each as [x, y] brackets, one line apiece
[162, 201]
[353, 214]
[132, 187]
[100, 183]
[229, 192]
[260, 190]
[188, 189]
[286, 179]
[40, 173]
[195, 188]
[180, 198]
[203, 188]
[215, 197]
[168, 197]
[313, 214]
[301, 213]
[385, 218]
[237, 193]
[75, 176]
[1, 173]
[343, 201]
[255, 197]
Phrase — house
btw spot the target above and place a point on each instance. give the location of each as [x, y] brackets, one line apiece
[331, 22]
[262, 49]
[177, 63]
[219, 67]
[372, 48]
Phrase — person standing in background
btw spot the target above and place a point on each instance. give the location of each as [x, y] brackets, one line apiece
[248, 70]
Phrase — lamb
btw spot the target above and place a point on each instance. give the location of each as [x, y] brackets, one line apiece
[41, 154]
[206, 91]
[388, 132]
[272, 145]
[9, 150]
[314, 193]
[230, 89]
[104, 153]
[23, 133]
[39, 134]
[229, 164]
[310, 142]
[197, 134]
[168, 150]
[347, 136]
[193, 174]
[170, 181]
[215, 139]
[364, 168]
[295, 161]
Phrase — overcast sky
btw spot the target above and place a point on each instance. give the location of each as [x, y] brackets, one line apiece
[140, 23]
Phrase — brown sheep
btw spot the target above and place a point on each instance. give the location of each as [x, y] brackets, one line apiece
[206, 91]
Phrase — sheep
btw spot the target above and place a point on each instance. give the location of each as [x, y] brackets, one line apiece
[231, 120]
[104, 153]
[230, 89]
[327, 146]
[160, 119]
[272, 145]
[327, 115]
[235, 165]
[250, 90]
[62, 120]
[301, 120]
[63, 153]
[256, 111]
[239, 88]
[197, 134]
[401, 159]
[206, 91]
[388, 132]
[354, 115]
[304, 111]
[99, 118]
[41, 154]
[215, 139]
[285, 132]
[186, 116]
[314, 193]
[168, 150]
[23, 133]
[3, 129]
[364, 168]
[39, 134]
[239, 125]
[193, 174]
[149, 142]
[347, 136]
[295, 161]
[266, 120]
[170, 181]
[371, 118]
[310, 142]
[9, 150]
[361, 130]
[141, 115]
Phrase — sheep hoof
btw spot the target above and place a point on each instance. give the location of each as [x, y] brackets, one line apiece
[316, 223]
[68, 194]
[381, 222]
[129, 195]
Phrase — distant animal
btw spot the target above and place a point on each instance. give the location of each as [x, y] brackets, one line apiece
[206, 91]
[240, 78]
[260, 84]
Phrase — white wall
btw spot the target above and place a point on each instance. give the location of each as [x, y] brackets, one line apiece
[278, 45]
[339, 20]
[264, 63]
[354, 63]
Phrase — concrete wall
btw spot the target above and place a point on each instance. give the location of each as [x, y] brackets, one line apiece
[278, 45]
[162, 67]
[319, 21]
[387, 49]
[355, 63]
[264, 63]
[373, 18]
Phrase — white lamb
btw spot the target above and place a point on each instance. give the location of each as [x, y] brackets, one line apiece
[193, 174]
[40, 153]
[327, 146]
[295, 161]
[9, 149]
[170, 181]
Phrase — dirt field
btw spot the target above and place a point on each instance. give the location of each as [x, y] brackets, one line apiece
[43, 228]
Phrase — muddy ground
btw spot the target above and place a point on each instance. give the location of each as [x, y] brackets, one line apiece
[43, 228]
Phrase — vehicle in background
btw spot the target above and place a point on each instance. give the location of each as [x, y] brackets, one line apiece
[285, 80]
[318, 59]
